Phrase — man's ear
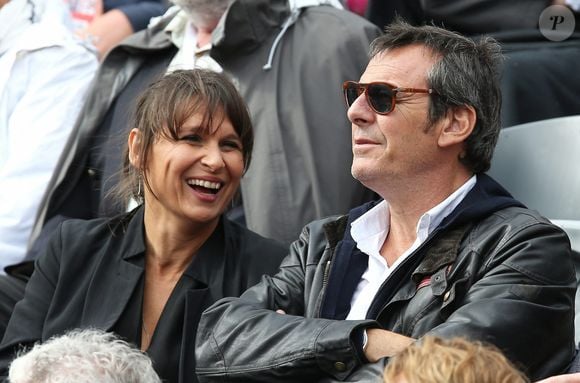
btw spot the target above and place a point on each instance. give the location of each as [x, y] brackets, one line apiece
[459, 125]
[134, 143]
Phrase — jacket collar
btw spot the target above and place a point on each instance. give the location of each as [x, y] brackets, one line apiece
[485, 198]
[127, 231]
[246, 25]
[442, 252]
[338, 230]
[132, 223]
[207, 263]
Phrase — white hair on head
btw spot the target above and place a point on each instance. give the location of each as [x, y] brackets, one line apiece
[204, 13]
[83, 356]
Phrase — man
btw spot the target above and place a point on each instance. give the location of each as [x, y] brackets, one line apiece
[447, 252]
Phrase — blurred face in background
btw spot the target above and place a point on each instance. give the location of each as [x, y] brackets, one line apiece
[204, 13]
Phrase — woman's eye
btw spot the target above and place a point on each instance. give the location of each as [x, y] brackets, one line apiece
[191, 138]
[232, 144]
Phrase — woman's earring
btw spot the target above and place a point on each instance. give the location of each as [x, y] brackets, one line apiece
[139, 180]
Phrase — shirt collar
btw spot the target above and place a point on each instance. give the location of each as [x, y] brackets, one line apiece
[433, 217]
[370, 230]
[176, 28]
[183, 35]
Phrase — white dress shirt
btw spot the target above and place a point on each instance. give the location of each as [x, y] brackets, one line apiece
[369, 232]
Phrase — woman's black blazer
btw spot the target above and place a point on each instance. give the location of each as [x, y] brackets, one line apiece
[85, 279]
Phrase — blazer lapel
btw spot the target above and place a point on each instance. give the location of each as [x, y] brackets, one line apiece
[116, 277]
[104, 307]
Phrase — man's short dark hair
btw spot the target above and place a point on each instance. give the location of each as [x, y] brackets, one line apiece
[466, 74]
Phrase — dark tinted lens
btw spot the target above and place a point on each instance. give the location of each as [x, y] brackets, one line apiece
[351, 92]
[380, 97]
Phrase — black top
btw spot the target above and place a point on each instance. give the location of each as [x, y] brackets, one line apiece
[91, 275]
[162, 349]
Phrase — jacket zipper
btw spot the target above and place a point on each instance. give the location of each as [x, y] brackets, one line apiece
[326, 274]
[325, 278]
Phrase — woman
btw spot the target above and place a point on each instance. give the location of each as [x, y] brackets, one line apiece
[148, 275]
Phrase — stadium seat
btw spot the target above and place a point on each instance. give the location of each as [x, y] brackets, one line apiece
[539, 164]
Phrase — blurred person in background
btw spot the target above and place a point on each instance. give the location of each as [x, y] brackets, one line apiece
[470, 17]
[83, 356]
[454, 360]
[357, 6]
[104, 23]
[44, 76]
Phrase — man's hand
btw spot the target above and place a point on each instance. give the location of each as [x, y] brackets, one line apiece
[383, 343]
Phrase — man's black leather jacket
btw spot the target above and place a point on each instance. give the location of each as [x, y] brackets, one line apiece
[493, 271]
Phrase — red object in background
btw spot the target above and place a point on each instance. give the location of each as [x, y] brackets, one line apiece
[357, 6]
[84, 11]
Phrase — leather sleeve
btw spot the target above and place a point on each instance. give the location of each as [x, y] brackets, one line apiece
[523, 298]
[244, 339]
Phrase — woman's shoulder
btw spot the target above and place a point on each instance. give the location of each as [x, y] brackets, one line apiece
[94, 230]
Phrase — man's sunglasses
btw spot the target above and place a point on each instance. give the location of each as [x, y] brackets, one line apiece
[380, 96]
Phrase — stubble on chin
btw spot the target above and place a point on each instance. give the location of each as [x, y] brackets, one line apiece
[361, 173]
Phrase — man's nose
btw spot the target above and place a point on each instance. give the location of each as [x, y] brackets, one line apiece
[359, 112]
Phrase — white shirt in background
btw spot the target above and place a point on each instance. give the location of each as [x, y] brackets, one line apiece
[44, 75]
[189, 56]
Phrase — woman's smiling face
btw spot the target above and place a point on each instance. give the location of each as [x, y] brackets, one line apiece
[196, 176]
